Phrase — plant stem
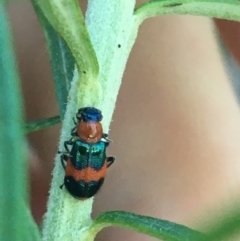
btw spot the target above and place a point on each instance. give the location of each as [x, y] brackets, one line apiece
[226, 9]
[113, 28]
[109, 24]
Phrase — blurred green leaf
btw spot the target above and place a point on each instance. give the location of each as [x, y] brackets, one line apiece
[13, 1]
[41, 124]
[225, 225]
[154, 227]
[15, 217]
[62, 61]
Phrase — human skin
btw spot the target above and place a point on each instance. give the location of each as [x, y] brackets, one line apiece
[176, 125]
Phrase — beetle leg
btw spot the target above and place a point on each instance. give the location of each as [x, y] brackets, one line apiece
[78, 115]
[74, 131]
[63, 160]
[62, 152]
[74, 121]
[105, 139]
[104, 135]
[110, 160]
[66, 143]
[62, 186]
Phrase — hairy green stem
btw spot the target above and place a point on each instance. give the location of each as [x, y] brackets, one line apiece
[110, 25]
[113, 28]
[226, 9]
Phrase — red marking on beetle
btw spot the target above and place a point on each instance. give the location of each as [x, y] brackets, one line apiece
[87, 174]
[90, 132]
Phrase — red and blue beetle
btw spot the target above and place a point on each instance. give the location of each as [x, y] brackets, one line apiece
[86, 162]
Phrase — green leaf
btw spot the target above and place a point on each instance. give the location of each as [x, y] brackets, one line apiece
[154, 227]
[29, 228]
[62, 61]
[41, 124]
[15, 218]
[225, 226]
[67, 19]
[13, 1]
[225, 9]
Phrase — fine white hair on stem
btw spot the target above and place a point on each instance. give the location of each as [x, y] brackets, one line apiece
[112, 30]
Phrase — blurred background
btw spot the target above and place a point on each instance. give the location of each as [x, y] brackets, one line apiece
[175, 128]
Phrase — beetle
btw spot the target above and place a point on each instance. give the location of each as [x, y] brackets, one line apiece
[88, 127]
[85, 167]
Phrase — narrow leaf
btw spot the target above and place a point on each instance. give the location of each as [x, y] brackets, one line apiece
[61, 59]
[225, 9]
[67, 19]
[14, 215]
[41, 124]
[225, 227]
[154, 227]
